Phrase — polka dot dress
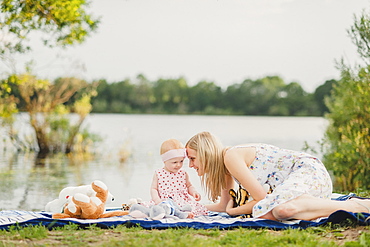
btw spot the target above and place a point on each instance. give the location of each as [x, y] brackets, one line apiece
[173, 185]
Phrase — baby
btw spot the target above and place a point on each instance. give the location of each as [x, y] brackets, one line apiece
[171, 181]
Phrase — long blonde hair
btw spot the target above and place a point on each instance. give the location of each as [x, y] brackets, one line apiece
[210, 155]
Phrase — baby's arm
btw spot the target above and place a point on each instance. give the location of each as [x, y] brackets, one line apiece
[191, 189]
[154, 190]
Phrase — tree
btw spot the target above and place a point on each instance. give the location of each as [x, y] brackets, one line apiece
[321, 93]
[348, 134]
[292, 101]
[169, 95]
[203, 96]
[60, 23]
[142, 95]
[44, 102]
[257, 97]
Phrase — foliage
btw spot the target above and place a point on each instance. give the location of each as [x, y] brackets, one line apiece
[265, 96]
[62, 22]
[321, 93]
[348, 135]
[360, 35]
[59, 23]
[49, 115]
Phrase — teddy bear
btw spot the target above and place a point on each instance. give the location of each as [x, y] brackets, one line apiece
[65, 195]
[165, 209]
[82, 206]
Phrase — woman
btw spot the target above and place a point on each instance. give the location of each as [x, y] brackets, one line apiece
[300, 182]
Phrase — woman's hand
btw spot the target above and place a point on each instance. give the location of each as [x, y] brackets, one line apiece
[244, 209]
[230, 205]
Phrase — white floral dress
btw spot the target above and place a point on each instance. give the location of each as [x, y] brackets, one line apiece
[289, 174]
[173, 185]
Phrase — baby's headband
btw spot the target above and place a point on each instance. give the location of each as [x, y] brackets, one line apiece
[173, 153]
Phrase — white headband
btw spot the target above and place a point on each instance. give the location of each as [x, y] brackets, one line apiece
[173, 153]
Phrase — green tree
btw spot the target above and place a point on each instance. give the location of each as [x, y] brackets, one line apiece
[44, 102]
[293, 100]
[113, 97]
[255, 97]
[321, 93]
[348, 135]
[142, 95]
[169, 95]
[203, 96]
[60, 23]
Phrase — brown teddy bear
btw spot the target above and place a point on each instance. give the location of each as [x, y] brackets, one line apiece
[81, 206]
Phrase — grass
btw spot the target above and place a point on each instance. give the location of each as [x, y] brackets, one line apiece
[70, 235]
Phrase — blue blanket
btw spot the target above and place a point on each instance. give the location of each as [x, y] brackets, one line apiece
[20, 218]
[221, 221]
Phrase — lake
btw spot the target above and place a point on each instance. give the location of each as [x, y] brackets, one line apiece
[28, 185]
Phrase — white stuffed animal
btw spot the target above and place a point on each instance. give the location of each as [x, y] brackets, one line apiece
[65, 195]
[165, 209]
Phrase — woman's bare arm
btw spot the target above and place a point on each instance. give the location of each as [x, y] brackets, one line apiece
[225, 197]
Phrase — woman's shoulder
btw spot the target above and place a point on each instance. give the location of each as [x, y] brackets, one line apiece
[243, 147]
[240, 151]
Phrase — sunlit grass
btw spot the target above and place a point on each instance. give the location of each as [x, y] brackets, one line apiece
[72, 235]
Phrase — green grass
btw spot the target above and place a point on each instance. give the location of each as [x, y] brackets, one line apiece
[71, 235]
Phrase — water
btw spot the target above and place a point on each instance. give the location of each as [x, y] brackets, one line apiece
[27, 185]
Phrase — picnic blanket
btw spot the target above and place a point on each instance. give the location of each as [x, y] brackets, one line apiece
[221, 221]
[9, 218]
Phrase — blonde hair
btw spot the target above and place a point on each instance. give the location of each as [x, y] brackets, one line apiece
[170, 144]
[210, 154]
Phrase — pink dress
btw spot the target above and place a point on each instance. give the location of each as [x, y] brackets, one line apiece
[173, 185]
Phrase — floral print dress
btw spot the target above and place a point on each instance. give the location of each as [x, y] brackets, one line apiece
[289, 174]
[173, 185]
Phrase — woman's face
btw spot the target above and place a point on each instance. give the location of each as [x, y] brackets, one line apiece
[194, 162]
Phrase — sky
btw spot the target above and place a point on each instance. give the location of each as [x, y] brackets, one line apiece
[222, 41]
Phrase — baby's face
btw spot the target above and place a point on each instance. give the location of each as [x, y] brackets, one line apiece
[174, 165]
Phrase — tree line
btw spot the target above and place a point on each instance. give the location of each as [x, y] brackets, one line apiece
[268, 96]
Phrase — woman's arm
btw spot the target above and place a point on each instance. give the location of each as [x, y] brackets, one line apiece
[237, 162]
[225, 197]
[154, 190]
[244, 209]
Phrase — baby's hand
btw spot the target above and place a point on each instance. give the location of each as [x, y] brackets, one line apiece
[197, 196]
[190, 215]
